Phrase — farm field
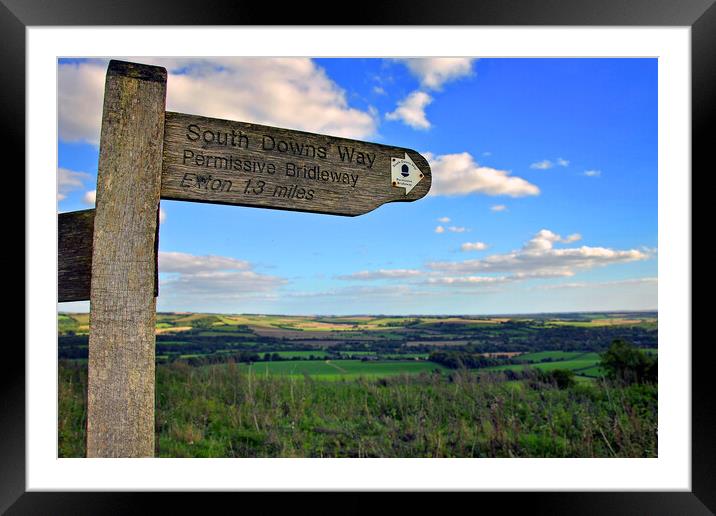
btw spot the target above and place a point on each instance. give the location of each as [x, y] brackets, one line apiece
[341, 369]
[80, 321]
[579, 363]
[386, 345]
[187, 335]
[373, 386]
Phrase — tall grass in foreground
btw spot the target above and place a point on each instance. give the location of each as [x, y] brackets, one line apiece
[224, 411]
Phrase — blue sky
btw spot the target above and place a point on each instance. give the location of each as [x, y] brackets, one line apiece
[544, 190]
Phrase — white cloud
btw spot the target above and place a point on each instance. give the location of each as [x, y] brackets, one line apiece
[444, 220]
[90, 197]
[593, 173]
[220, 284]
[451, 229]
[547, 164]
[459, 174]
[539, 258]
[498, 207]
[286, 92]
[468, 280]
[211, 277]
[543, 240]
[473, 246]
[411, 110]
[189, 263]
[68, 181]
[162, 215]
[379, 90]
[80, 92]
[382, 274]
[542, 165]
[433, 72]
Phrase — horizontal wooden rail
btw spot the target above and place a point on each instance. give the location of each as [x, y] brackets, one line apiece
[75, 230]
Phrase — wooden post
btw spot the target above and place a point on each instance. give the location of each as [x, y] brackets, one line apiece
[120, 404]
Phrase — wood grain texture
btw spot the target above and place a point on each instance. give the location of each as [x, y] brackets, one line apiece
[75, 230]
[74, 255]
[121, 376]
[226, 162]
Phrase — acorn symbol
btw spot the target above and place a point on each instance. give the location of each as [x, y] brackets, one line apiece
[405, 170]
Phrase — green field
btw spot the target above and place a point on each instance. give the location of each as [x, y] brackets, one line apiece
[250, 385]
[576, 362]
[340, 369]
[592, 372]
[585, 365]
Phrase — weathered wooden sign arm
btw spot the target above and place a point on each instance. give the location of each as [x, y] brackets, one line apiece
[109, 254]
[226, 162]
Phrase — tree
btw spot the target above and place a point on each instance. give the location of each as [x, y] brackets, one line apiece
[563, 378]
[624, 362]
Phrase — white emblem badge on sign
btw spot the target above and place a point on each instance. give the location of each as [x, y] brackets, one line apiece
[404, 173]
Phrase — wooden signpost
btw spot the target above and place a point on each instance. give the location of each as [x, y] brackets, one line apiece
[109, 255]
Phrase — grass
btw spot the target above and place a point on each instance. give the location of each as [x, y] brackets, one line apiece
[223, 411]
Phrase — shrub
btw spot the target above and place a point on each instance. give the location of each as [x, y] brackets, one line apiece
[625, 363]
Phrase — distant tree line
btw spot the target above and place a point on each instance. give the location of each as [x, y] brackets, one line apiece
[517, 336]
[465, 359]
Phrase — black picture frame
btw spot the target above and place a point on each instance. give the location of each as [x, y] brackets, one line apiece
[700, 15]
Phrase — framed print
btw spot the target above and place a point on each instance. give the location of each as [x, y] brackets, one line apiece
[421, 327]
